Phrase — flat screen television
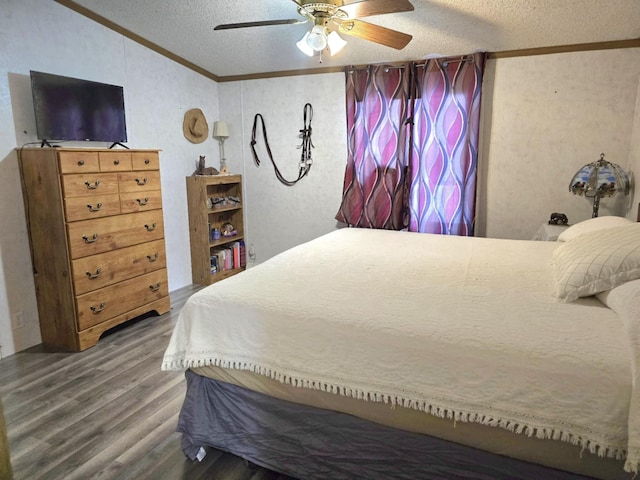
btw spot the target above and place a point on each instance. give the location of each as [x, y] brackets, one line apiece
[73, 109]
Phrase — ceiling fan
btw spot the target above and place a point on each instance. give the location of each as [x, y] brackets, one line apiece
[331, 17]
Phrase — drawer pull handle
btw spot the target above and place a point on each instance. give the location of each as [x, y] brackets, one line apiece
[141, 182]
[147, 161]
[94, 208]
[80, 163]
[142, 202]
[91, 239]
[97, 309]
[92, 186]
[116, 162]
[155, 288]
[152, 258]
[93, 276]
[151, 227]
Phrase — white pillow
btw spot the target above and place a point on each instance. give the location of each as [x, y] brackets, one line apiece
[597, 261]
[624, 300]
[591, 225]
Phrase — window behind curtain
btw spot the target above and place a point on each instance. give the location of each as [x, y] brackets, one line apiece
[412, 146]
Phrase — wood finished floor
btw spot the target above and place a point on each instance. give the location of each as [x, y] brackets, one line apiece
[108, 412]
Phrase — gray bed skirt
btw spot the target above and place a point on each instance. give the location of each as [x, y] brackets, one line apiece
[315, 444]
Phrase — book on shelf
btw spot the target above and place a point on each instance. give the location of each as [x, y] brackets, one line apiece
[243, 257]
[229, 258]
[236, 254]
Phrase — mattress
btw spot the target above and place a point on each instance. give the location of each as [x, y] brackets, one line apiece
[461, 329]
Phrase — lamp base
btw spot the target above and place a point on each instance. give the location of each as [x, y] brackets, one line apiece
[596, 206]
[223, 167]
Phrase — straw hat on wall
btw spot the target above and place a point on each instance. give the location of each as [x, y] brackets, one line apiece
[195, 126]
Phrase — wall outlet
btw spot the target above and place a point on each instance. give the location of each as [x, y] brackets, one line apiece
[17, 320]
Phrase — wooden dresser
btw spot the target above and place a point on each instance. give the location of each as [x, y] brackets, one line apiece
[96, 233]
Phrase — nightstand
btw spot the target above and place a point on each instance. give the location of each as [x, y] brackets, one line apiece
[548, 232]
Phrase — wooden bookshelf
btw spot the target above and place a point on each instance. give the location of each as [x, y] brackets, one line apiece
[213, 201]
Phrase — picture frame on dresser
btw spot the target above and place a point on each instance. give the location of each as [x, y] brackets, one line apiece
[96, 235]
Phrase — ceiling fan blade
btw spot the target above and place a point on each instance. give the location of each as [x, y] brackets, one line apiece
[290, 21]
[375, 33]
[367, 8]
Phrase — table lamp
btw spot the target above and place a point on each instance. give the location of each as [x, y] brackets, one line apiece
[221, 133]
[599, 179]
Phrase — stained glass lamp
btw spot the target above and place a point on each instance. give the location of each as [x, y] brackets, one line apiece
[600, 179]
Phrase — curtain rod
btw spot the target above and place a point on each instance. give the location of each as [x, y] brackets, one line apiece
[445, 62]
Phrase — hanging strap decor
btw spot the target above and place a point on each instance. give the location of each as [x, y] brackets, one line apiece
[306, 146]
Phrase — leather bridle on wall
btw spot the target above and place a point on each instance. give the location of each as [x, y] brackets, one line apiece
[306, 146]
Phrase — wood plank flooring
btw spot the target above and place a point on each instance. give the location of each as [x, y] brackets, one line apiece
[108, 412]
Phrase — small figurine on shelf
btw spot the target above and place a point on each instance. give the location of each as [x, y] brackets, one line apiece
[202, 170]
[228, 230]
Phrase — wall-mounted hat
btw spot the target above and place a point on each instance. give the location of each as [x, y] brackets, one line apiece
[195, 126]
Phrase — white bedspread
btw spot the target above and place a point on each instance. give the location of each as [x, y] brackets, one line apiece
[459, 327]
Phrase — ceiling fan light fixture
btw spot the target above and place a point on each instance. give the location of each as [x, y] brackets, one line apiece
[336, 42]
[304, 47]
[329, 18]
[317, 38]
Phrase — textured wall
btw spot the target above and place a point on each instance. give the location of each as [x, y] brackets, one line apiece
[45, 36]
[279, 217]
[543, 118]
[634, 161]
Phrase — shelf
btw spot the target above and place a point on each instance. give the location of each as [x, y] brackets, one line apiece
[226, 240]
[215, 277]
[205, 217]
[228, 208]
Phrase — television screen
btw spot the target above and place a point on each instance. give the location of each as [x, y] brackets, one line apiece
[72, 109]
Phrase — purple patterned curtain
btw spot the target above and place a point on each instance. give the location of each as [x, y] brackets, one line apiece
[439, 152]
[444, 156]
[377, 105]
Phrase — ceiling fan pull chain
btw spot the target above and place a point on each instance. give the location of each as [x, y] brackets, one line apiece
[306, 145]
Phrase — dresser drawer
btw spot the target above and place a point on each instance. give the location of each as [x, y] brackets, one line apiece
[98, 271]
[145, 161]
[140, 201]
[114, 161]
[81, 185]
[94, 206]
[78, 162]
[139, 181]
[101, 305]
[89, 237]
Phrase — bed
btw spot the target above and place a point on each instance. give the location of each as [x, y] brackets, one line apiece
[379, 354]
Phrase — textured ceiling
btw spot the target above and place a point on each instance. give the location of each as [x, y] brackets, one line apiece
[439, 28]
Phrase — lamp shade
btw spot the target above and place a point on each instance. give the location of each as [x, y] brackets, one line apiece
[336, 42]
[600, 179]
[220, 130]
[317, 38]
[304, 47]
